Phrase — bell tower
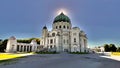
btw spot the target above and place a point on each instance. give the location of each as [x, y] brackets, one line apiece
[44, 35]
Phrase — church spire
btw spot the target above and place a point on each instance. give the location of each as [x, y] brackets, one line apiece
[45, 27]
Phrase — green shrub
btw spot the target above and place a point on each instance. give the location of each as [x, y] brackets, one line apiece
[47, 52]
[78, 52]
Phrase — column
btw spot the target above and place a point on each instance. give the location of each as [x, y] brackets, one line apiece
[23, 49]
[82, 45]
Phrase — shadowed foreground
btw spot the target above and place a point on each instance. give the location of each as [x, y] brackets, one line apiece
[64, 61]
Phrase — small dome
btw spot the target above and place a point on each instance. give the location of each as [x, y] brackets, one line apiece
[76, 28]
[82, 32]
[12, 38]
[62, 17]
[44, 27]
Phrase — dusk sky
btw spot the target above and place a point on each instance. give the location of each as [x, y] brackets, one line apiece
[100, 19]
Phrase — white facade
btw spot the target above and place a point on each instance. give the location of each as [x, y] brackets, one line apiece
[64, 37]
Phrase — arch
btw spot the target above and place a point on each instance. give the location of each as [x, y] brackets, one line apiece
[60, 26]
[51, 41]
[74, 40]
[64, 27]
[27, 48]
[53, 34]
[51, 46]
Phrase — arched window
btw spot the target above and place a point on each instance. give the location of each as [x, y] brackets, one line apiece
[51, 41]
[50, 46]
[53, 34]
[64, 27]
[60, 26]
[74, 39]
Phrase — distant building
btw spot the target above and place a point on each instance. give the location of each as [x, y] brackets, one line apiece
[99, 49]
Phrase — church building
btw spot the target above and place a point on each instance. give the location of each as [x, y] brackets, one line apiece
[63, 37]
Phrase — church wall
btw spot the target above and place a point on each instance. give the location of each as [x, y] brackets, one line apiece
[66, 40]
[50, 41]
[83, 44]
[75, 40]
[58, 44]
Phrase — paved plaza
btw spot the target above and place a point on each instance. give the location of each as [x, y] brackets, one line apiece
[64, 61]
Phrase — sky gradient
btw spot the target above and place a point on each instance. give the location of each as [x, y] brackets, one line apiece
[100, 19]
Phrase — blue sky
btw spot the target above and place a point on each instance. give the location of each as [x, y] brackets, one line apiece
[100, 19]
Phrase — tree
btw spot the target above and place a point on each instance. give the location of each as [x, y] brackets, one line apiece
[112, 47]
[3, 45]
[29, 40]
[106, 46]
[118, 49]
[0, 41]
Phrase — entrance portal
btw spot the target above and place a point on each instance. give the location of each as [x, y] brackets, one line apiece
[65, 50]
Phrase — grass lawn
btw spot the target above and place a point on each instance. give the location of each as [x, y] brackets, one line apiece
[7, 56]
[115, 53]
